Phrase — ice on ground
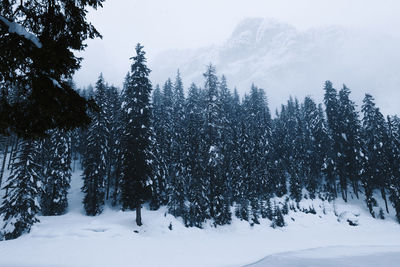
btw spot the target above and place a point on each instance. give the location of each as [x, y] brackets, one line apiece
[369, 256]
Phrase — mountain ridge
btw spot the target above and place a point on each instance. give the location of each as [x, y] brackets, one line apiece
[286, 61]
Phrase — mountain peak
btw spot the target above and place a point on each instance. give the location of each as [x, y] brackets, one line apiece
[252, 31]
[286, 61]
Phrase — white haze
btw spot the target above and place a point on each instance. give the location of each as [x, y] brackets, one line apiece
[178, 24]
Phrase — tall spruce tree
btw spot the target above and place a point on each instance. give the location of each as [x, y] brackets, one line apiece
[351, 139]
[218, 199]
[95, 156]
[158, 184]
[227, 136]
[278, 146]
[333, 118]
[177, 194]
[197, 192]
[313, 142]
[136, 138]
[376, 145]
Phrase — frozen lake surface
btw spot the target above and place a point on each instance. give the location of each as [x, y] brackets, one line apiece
[334, 257]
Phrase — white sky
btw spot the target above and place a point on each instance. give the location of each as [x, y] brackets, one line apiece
[166, 24]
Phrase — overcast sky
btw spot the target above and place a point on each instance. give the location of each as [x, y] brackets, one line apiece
[166, 24]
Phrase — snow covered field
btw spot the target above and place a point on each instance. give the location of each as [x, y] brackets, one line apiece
[109, 239]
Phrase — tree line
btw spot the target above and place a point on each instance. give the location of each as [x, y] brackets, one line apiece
[207, 155]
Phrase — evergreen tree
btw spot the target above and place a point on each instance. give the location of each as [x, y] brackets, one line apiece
[295, 149]
[242, 176]
[218, 199]
[258, 126]
[23, 189]
[111, 110]
[227, 136]
[394, 159]
[277, 219]
[58, 174]
[333, 118]
[278, 146]
[313, 130]
[94, 159]
[136, 135]
[158, 184]
[351, 139]
[178, 175]
[376, 145]
[197, 193]
[40, 59]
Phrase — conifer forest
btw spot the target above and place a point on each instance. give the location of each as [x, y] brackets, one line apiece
[195, 169]
[206, 155]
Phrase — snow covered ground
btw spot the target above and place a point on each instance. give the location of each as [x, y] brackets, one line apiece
[110, 239]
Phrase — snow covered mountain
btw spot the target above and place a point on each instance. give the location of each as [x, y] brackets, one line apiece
[286, 61]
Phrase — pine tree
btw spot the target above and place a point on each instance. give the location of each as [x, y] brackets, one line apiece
[23, 189]
[258, 127]
[197, 193]
[243, 174]
[278, 146]
[294, 140]
[376, 142]
[238, 140]
[227, 136]
[158, 184]
[112, 120]
[351, 139]
[136, 135]
[313, 142]
[333, 118]
[277, 219]
[42, 62]
[58, 174]
[393, 155]
[166, 141]
[115, 143]
[95, 156]
[219, 209]
[178, 175]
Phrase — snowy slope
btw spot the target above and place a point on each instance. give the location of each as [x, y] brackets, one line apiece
[286, 61]
[109, 239]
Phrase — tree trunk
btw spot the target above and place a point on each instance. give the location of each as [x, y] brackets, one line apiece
[138, 215]
[4, 160]
[116, 182]
[73, 163]
[108, 180]
[355, 188]
[14, 144]
[384, 198]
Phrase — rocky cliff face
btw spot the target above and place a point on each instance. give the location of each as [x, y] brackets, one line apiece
[286, 61]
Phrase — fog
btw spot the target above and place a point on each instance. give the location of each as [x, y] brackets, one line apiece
[177, 24]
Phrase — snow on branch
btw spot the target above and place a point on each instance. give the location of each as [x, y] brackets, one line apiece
[14, 27]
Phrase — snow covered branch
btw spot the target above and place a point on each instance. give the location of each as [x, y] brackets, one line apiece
[14, 27]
